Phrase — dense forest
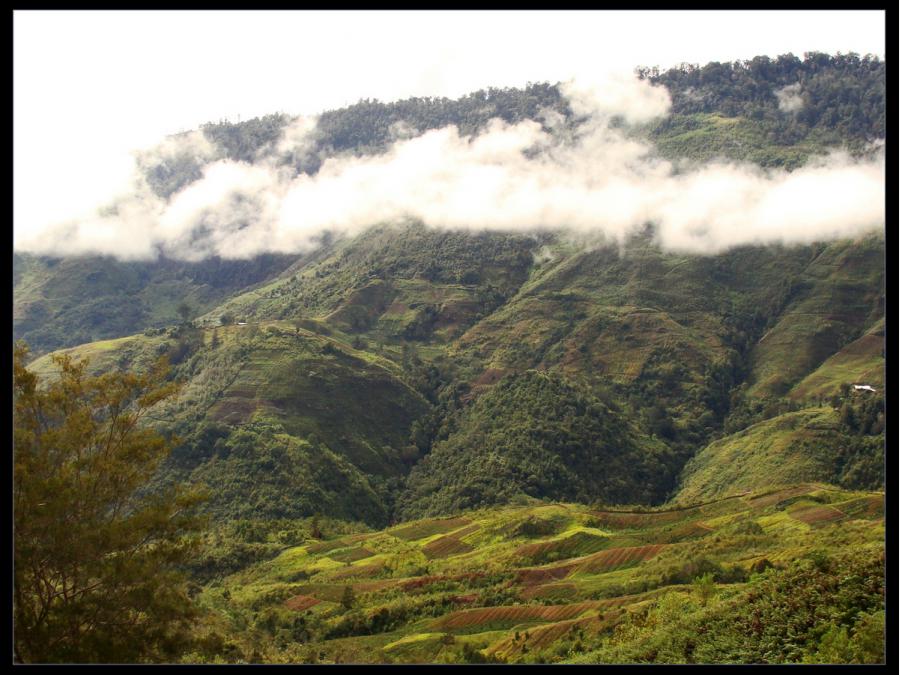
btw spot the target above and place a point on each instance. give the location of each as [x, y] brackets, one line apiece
[843, 95]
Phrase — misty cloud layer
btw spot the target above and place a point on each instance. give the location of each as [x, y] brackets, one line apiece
[789, 98]
[597, 181]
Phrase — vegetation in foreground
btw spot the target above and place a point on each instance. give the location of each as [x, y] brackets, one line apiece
[782, 576]
[97, 558]
[790, 575]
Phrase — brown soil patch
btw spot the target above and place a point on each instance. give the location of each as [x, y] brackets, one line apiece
[817, 514]
[300, 603]
[445, 547]
[489, 377]
[467, 618]
[616, 558]
[429, 528]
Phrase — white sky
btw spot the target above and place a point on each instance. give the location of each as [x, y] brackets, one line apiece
[90, 86]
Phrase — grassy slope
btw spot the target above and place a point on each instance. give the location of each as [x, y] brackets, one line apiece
[831, 303]
[787, 449]
[62, 303]
[537, 581]
[133, 351]
[607, 316]
[279, 421]
[860, 362]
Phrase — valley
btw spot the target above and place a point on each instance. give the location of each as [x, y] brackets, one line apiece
[498, 443]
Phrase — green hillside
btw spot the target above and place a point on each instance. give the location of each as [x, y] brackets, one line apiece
[830, 303]
[402, 282]
[810, 444]
[562, 582]
[425, 445]
[537, 434]
[63, 302]
[279, 421]
[385, 358]
[861, 362]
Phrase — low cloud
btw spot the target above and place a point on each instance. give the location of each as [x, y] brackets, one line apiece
[191, 145]
[594, 181]
[789, 98]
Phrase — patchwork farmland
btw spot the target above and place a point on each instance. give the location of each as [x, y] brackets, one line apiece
[535, 583]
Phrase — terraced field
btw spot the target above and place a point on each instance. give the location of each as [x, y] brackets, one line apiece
[510, 616]
[578, 544]
[466, 588]
[445, 547]
[427, 528]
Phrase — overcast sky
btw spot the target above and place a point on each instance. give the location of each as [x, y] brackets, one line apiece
[91, 86]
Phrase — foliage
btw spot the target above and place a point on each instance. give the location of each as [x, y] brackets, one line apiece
[348, 599]
[95, 558]
[241, 141]
[844, 94]
[804, 613]
[368, 126]
[541, 435]
[671, 585]
[259, 471]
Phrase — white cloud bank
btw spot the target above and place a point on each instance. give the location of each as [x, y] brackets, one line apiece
[508, 178]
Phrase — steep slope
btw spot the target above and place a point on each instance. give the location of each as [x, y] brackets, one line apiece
[861, 362]
[537, 434]
[807, 445]
[64, 302]
[829, 304]
[396, 282]
[675, 336]
[398, 314]
[278, 421]
[313, 395]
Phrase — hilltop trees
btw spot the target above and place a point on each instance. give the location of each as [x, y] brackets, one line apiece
[843, 93]
[96, 559]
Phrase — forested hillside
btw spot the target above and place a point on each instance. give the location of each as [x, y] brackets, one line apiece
[517, 388]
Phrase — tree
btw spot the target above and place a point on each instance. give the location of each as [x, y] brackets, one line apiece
[314, 530]
[348, 599]
[705, 587]
[848, 417]
[96, 559]
[184, 311]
